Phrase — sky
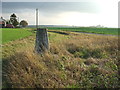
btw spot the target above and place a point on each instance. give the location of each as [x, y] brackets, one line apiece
[64, 12]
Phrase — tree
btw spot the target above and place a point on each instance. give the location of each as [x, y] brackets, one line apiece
[23, 23]
[13, 15]
[13, 20]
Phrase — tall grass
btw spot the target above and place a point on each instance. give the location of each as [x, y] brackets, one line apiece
[73, 61]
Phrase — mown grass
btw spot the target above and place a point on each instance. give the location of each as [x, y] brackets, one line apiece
[111, 31]
[11, 34]
[72, 61]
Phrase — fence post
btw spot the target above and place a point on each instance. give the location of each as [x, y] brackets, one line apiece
[41, 43]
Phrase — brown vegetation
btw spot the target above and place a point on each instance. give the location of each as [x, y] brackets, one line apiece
[74, 60]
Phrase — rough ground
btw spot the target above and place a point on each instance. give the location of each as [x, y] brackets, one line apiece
[74, 60]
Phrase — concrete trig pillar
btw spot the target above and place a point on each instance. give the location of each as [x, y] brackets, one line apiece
[41, 43]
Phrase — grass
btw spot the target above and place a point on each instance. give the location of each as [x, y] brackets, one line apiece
[74, 60]
[111, 31]
[10, 34]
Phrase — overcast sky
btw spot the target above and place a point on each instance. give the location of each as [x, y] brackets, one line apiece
[82, 13]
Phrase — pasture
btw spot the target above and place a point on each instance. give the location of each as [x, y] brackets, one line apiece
[11, 34]
[74, 60]
[111, 31]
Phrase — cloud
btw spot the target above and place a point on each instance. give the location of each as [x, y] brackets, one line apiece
[69, 13]
[50, 7]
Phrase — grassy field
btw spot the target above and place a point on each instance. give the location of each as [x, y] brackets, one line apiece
[74, 60]
[10, 34]
[111, 31]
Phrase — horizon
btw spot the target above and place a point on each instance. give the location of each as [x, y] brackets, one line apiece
[72, 26]
[90, 13]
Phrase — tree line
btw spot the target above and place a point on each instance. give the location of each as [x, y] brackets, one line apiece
[14, 21]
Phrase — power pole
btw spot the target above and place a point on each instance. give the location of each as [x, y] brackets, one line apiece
[37, 18]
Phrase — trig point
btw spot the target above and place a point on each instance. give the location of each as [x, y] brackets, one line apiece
[41, 44]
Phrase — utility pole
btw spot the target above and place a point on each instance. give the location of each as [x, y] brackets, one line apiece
[37, 18]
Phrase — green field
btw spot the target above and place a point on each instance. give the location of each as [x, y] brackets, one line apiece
[111, 31]
[10, 34]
